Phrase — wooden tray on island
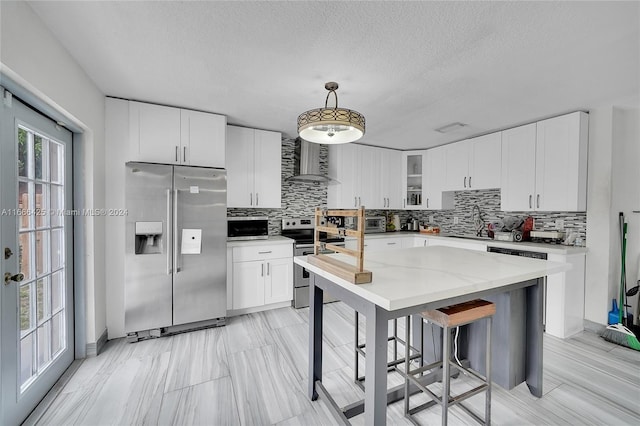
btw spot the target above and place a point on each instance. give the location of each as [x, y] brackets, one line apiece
[352, 273]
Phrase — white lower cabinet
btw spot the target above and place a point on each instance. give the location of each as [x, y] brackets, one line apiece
[261, 275]
[564, 314]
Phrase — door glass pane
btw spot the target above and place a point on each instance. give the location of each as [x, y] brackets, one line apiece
[25, 260]
[57, 281]
[56, 156]
[42, 206]
[27, 350]
[39, 146]
[57, 204]
[57, 333]
[25, 309]
[44, 344]
[25, 205]
[57, 249]
[23, 152]
[43, 299]
[42, 252]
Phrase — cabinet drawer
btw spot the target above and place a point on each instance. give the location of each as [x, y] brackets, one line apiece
[248, 253]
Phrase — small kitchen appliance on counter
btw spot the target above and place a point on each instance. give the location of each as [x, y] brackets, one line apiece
[247, 228]
[552, 237]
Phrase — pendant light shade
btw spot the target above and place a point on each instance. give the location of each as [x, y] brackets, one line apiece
[331, 125]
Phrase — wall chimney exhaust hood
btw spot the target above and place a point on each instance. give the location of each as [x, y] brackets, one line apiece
[306, 165]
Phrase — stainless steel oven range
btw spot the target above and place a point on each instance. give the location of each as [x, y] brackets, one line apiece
[301, 230]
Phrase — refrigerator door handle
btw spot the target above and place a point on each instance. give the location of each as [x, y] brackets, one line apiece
[169, 245]
[175, 231]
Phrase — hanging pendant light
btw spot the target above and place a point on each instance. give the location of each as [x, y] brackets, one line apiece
[331, 125]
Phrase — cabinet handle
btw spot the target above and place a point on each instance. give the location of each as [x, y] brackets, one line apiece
[262, 270]
[177, 149]
[469, 181]
[257, 202]
[251, 198]
[264, 252]
[538, 201]
[529, 200]
[355, 201]
[427, 203]
[267, 269]
[404, 203]
[184, 155]
[390, 244]
[359, 202]
[465, 181]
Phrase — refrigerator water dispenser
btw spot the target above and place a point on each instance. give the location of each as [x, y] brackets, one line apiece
[148, 237]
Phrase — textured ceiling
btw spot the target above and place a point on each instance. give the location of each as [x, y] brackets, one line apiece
[409, 67]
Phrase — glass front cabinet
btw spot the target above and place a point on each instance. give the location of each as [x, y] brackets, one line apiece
[412, 179]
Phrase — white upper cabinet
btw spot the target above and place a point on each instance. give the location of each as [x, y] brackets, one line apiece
[203, 138]
[344, 169]
[254, 168]
[474, 163]
[388, 171]
[434, 180]
[167, 135]
[544, 165]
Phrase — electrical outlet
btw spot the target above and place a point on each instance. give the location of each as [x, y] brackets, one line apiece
[431, 218]
[455, 220]
[559, 224]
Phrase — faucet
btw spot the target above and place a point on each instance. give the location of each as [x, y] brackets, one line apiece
[478, 222]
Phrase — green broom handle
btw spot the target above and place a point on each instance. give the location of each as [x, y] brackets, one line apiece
[623, 278]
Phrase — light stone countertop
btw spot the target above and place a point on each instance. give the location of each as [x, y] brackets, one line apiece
[273, 239]
[527, 246]
[413, 276]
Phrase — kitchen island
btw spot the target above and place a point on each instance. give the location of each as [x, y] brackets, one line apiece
[412, 280]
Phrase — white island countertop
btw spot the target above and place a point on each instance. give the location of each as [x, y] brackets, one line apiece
[413, 276]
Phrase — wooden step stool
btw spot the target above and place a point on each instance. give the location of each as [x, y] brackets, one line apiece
[448, 318]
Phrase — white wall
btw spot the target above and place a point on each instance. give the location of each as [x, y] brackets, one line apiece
[626, 193]
[31, 56]
[613, 186]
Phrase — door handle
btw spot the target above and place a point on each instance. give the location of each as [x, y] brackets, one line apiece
[175, 231]
[465, 181]
[530, 201]
[538, 201]
[169, 265]
[7, 253]
[177, 149]
[15, 278]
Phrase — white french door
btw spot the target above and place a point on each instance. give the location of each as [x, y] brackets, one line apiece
[36, 338]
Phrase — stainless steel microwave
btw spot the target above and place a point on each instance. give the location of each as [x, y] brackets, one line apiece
[247, 228]
[373, 224]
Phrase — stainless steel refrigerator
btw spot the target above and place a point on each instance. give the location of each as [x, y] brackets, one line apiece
[176, 254]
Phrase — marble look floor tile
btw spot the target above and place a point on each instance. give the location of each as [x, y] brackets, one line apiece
[208, 403]
[293, 343]
[246, 332]
[283, 317]
[265, 386]
[197, 357]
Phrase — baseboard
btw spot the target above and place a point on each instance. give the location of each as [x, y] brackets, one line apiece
[593, 327]
[94, 349]
[236, 312]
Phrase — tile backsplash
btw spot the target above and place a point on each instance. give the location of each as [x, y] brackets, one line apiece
[489, 203]
[301, 199]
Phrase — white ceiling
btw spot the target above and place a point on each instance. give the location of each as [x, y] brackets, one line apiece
[409, 67]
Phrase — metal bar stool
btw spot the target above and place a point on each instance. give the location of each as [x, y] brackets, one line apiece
[411, 352]
[448, 318]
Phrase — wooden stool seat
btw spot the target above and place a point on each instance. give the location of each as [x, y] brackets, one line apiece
[460, 314]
